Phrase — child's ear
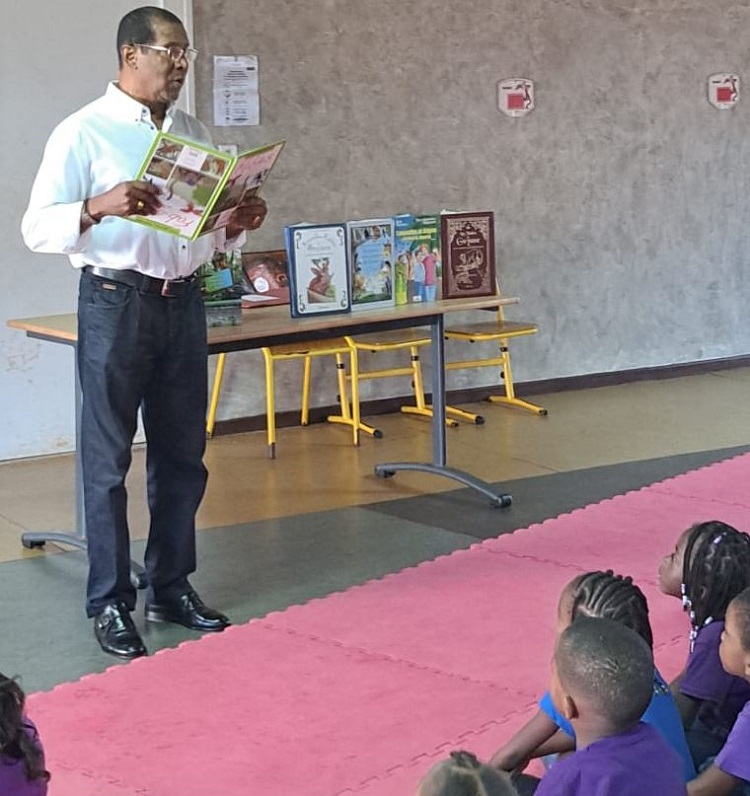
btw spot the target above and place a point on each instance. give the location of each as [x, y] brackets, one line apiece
[569, 707]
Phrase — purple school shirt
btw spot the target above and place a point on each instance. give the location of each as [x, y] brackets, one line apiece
[633, 763]
[13, 780]
[723, 695]
[734, 758]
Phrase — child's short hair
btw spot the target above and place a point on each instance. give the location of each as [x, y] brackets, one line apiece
[741, 606]
[608, 665]
[716, 568]
[608, 596]
[463, 775]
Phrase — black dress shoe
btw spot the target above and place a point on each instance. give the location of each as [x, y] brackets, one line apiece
[116, 633]
[189, 611]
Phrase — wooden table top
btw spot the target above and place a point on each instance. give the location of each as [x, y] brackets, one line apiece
[271, 325]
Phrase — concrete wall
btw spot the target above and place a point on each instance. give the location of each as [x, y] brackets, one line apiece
[621, 202]
[51, 64]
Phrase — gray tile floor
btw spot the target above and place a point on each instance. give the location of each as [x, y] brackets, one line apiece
[274, 552]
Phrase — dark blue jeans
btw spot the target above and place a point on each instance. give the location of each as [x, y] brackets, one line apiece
[141, 350]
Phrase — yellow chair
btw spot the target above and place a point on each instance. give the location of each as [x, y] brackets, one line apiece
[337, 347]
[500, 331]
[399, 340]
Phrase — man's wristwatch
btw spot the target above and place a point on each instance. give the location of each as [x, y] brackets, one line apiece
[86, 218]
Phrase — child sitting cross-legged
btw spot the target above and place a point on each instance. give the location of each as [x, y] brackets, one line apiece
[729, 773]
[609, 596]
[602, 681]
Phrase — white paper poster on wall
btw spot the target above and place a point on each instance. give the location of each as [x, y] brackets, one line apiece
[724, 90]
[515, 96]
[236, 99]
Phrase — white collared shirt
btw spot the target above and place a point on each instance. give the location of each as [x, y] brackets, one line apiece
[103, 144]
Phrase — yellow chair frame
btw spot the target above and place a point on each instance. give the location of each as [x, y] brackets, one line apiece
[337, 347]
[500, 331]
[398, 340]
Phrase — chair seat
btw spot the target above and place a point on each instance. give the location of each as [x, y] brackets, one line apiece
[498, 331]
[391, 340]
[336, 345]
[491, 330]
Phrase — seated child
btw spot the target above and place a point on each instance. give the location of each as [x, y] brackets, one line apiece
[463, 775]
[602, 681]
[609, 596]
[708, 568]
[22, 771]
[730, 771]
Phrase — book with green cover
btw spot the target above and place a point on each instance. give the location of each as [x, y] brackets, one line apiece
[220, 281]
[200, 187]
[418, 257]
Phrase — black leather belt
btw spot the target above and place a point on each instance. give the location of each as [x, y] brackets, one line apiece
[142, 282]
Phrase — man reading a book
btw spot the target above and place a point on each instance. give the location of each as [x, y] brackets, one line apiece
[141, 327]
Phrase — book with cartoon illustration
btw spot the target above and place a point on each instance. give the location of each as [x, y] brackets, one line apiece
[371, 262]
[200, 187]
[318, 268]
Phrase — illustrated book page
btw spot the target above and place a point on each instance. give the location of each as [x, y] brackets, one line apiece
[248, 174]
[199, 186]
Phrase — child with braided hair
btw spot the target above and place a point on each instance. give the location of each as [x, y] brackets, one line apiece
[601, 594]
[708, 568]
[22, 771]
[463, 775]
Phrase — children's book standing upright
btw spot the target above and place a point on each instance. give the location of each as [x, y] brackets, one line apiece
[220, 282]
[318, 268]
[371, 262]
[468, 246]
[200, 187]
[418, 258]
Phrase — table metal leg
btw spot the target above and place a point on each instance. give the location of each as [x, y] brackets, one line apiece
[439, 456]
[35, 539]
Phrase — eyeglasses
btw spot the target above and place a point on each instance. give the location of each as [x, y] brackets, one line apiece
[175, 53]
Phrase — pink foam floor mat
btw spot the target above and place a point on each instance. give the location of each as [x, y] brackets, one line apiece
[361, 691]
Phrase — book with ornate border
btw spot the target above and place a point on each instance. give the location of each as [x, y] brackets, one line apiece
[200, 187]
[468, 250]
[318, 269]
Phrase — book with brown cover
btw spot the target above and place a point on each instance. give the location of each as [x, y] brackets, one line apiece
[468, 249]
[265, 278]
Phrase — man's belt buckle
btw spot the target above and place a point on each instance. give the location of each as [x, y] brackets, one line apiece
[167, 289]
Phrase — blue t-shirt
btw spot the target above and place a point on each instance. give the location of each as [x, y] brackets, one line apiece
[661, 712]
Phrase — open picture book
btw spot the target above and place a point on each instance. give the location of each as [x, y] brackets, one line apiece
[200, 187]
